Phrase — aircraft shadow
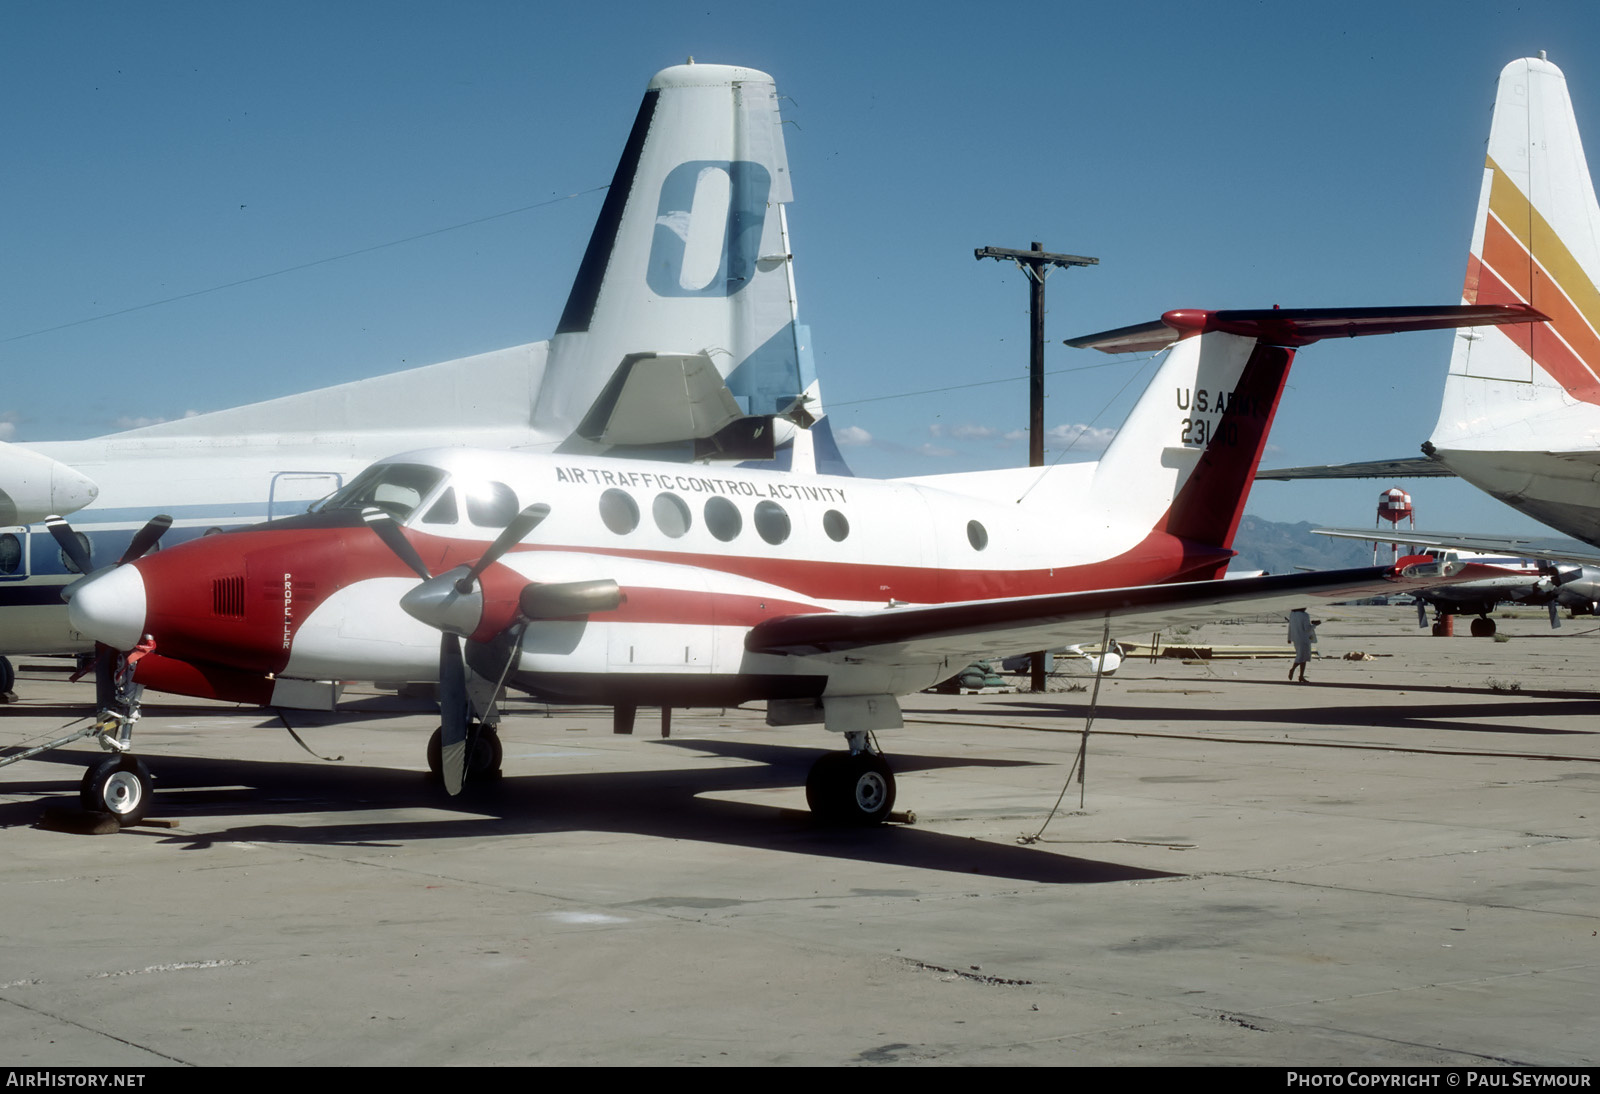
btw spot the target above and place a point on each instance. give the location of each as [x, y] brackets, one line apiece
[1433, 716]
[1409, 689]
[665, 804]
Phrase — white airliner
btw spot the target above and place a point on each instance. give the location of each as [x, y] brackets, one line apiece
[1521, 412]
[679, 338]
[632, 582]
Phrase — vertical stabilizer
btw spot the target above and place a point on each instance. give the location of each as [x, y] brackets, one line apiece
[690, 252]
[1182, 464]
[1520, 417]
[1182, 461]
[1536, 240]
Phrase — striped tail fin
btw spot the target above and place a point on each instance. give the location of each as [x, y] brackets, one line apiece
[1521, 411]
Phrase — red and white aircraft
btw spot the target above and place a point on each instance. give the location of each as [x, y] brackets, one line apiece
[629, 582]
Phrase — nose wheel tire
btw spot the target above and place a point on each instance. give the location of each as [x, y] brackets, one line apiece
[846, 789]
[119, 785]
[482, 765]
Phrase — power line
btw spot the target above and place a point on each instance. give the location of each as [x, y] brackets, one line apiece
[302, 266]
[832, 406]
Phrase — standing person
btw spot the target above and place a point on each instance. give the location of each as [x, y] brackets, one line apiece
[1302, 632]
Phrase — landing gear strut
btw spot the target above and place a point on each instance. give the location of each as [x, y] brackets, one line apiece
[854, 787]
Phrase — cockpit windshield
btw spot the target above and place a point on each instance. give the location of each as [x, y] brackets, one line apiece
[396, 488]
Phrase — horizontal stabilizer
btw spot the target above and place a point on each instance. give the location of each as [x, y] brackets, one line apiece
[1413, 467]
[977, 628]
[659, 398]
[1301, 326]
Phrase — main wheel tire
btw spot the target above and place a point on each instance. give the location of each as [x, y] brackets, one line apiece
[846, 789]
[484, 763]
[8, 675]
[1483, 627]
[119, 785]
[822, 782]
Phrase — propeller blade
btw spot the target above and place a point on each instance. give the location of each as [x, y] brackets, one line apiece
[68, 541]
[146, 538]
[514, 533]
[388, 531]
[453, 714]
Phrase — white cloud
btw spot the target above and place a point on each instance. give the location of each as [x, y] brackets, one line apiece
[935, 451]
[1080, 438]
[8, 431]
[964, 432]
[852, 436]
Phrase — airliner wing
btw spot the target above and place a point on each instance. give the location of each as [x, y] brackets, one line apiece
[1414, 467]
[978, 628]
[1554, 548]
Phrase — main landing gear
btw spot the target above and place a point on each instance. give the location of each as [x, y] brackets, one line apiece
[854, 787]
[1483, 627]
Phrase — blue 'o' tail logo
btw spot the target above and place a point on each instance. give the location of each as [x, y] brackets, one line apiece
[708, 228]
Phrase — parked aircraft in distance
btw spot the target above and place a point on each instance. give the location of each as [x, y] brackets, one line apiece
[1520, 417]
[1514, 571]
[679, 339]
[637, 583]
[1514, 580]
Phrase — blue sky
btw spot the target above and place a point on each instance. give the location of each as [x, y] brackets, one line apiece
[1217, 155]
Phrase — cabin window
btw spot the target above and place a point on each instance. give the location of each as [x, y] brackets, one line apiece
[772, 522]
[722, 517]
[672, 515]
[977, 535]
[835, 524]
[10, 553]
[443, 511]
[619, 511]
[490, 504]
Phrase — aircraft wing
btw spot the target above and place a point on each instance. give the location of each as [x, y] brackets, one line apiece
[974, 629]
[1547, 547]
[1413, 467]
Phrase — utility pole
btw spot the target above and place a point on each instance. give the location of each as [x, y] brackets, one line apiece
[1036, 264]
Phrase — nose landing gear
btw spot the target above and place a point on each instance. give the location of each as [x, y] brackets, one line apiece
[119, 785]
